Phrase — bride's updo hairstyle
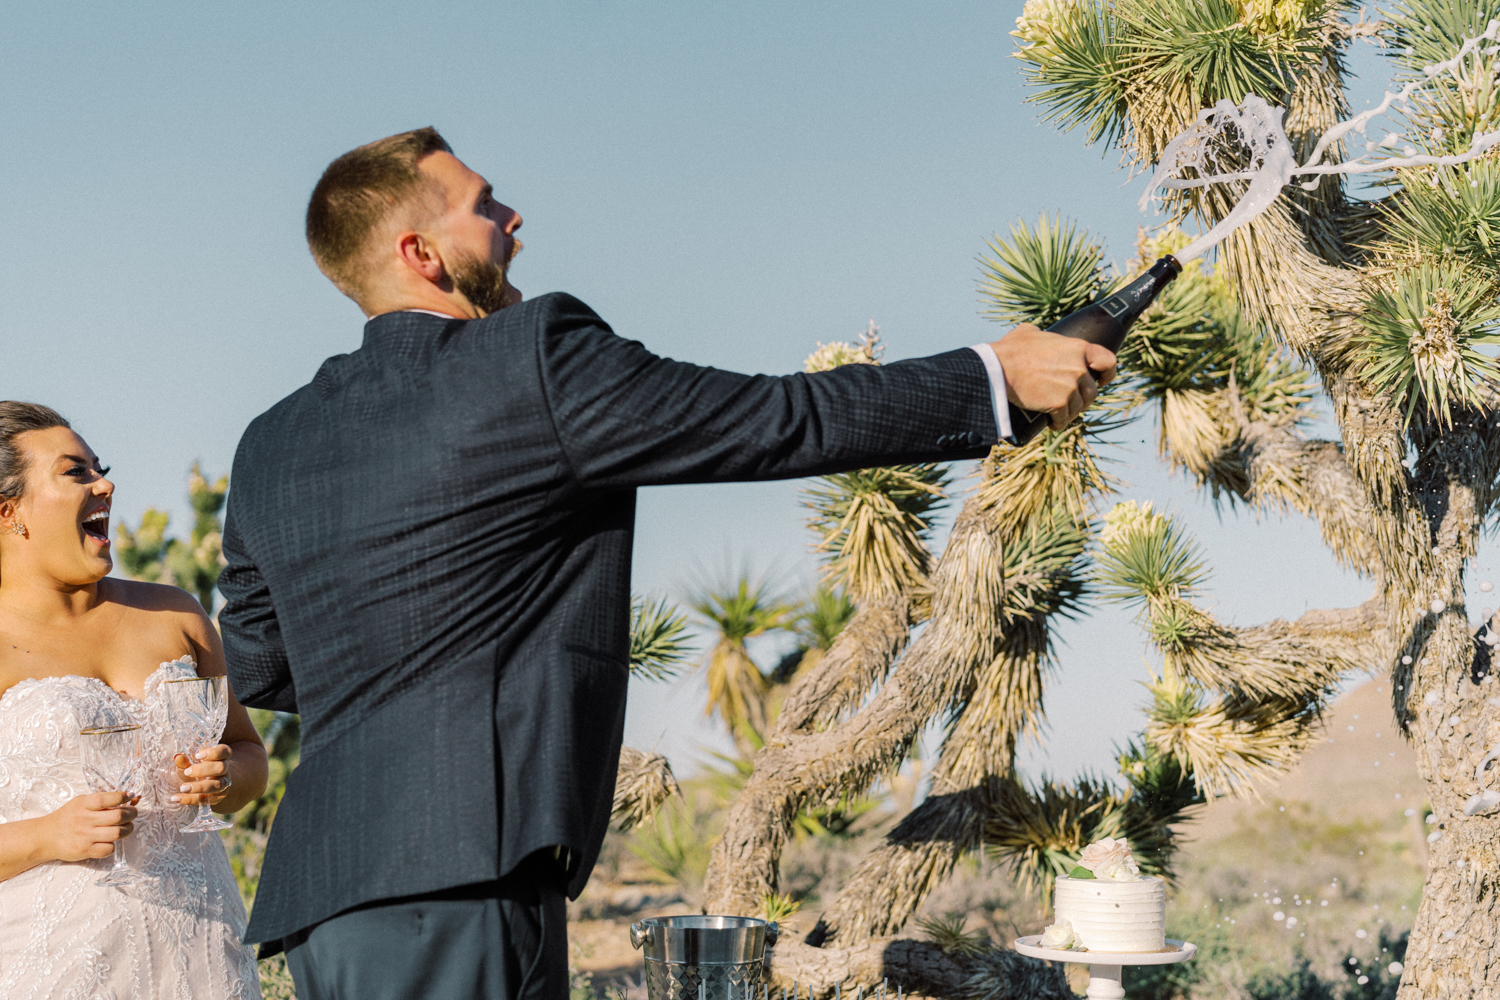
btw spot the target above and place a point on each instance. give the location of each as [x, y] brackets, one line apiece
[16, 419]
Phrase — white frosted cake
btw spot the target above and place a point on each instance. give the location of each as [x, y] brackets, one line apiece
[1108, 915]
[1106, 904]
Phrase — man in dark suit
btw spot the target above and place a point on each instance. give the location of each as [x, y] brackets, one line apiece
[429, 558]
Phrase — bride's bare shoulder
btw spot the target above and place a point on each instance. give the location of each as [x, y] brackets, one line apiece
[137, 595]
[168, 606]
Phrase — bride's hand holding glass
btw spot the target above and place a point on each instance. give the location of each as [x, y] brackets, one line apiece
[87, 827]
[206, 780]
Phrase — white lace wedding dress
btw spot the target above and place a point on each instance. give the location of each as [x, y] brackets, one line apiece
[175, 937]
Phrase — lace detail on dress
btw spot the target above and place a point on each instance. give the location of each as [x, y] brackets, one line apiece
[176, 936]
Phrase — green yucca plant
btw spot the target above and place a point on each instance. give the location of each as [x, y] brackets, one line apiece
[947, 932]
[1040, 274]
[1039, 831]
[146, 553]
[1196, 337]
[1043, 569]
[737, 687]
[1077, 68]
[1419, 328]
[1209, 50]
[874, 524]
[1421, 32]
[675, 843]
[1456, 217]
[1144, 556]
[658, 647]
[1163, 794]
[778, 907]
[819, 620]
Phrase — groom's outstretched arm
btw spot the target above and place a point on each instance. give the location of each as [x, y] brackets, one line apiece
[626, 417]
[254, 651]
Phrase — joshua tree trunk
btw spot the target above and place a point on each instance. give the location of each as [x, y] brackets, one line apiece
[1451, 952]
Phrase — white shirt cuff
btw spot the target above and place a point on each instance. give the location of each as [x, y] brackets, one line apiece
[997, 388]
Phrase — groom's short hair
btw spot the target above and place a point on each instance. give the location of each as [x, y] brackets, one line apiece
[356, 194]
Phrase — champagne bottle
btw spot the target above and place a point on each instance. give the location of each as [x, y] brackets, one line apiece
[1104, 323]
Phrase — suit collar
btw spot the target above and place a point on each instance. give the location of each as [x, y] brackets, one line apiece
[405, 328]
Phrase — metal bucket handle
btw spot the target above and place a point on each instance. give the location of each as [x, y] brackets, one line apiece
[638, 934]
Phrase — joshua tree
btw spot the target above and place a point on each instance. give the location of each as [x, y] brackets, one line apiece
[1377, 305]
[147, 554]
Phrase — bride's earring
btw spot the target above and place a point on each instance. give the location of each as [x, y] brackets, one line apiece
[19, 529]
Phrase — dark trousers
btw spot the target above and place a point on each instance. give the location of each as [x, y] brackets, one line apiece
[503, 940]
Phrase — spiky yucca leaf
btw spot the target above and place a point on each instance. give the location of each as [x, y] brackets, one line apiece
[1422, 32]
[1145, 556]
[1076, 65]
[1043, 569]
[947, 932]
[1054, 471]
[1163, 795]
[644, 782]
[777, 907]
[1230, 744]
[864, 351]
[1459, 216]
[736, 686]
[818, 621]
[1040, 275]
[875, 524]
[1418, 330]
[676, 843]
[1196, 338]
[823, 616]
[1207, 49]
[658, 648]
[1040, 831]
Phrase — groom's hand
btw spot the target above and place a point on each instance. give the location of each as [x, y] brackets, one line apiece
[1046, 372]
[206, 780]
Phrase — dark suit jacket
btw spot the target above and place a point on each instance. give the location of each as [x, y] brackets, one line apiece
[429, 558]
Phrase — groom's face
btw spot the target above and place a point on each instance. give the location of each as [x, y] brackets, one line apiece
[477, 232]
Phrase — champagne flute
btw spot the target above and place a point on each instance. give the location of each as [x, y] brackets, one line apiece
[198, 708]
[112, 763]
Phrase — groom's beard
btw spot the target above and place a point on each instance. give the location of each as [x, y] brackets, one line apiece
[483, 282]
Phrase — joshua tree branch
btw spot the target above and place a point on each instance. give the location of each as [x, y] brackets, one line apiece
[860, 657]
[803, 768]
[922, 968]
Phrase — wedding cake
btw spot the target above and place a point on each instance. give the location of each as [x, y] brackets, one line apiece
[1107, 905]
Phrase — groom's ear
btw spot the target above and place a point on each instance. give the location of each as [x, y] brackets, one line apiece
[422, 256]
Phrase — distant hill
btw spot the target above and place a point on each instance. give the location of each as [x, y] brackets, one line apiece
[1362, 766]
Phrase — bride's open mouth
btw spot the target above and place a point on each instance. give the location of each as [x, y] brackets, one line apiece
[96, 525]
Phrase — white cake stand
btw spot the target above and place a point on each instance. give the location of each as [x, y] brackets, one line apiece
[1105, 966]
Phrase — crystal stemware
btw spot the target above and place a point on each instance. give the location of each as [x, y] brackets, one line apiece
[112, 763]
[197, 709]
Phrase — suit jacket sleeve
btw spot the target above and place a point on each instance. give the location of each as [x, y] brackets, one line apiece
[259, 673]
[626, 417]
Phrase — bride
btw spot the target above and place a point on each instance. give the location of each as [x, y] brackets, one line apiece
[77, 647]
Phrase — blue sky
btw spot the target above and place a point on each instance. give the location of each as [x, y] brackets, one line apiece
[729, 183]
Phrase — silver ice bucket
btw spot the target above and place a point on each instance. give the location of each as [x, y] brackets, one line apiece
[703, 958]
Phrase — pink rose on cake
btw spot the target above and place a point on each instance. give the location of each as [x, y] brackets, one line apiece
[1110, 858]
